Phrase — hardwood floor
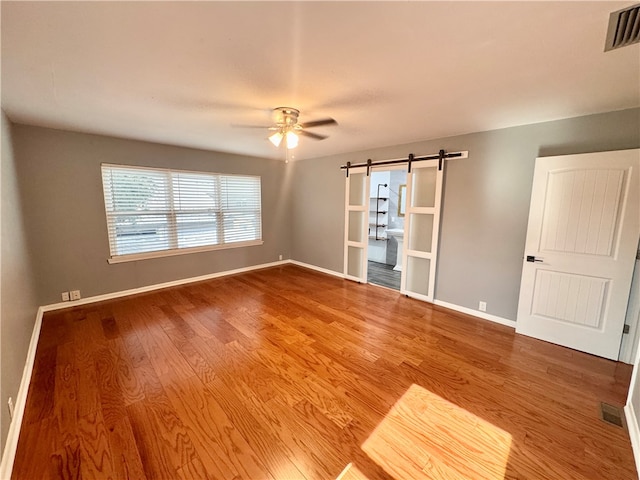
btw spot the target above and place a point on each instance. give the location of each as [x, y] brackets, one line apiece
[286, 373]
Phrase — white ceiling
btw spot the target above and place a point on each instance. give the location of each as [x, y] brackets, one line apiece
[388, 72]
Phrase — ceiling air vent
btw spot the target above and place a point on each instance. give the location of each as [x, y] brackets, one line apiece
[624, 28]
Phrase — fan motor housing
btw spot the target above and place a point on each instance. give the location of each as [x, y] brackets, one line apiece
[286, 116]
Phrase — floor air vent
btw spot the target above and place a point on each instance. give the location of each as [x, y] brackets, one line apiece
[624, 28]
[611, 414]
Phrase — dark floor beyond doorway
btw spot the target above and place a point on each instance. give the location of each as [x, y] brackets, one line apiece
[383, 274]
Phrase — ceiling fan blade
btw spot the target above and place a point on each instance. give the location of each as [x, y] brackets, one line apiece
[317, 123]
[269, 127]
[315, 136]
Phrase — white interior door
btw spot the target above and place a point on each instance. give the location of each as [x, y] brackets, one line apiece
[584, 224]
[356, 223]
[421, 227]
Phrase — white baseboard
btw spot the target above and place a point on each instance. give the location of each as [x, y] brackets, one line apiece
[317, 269]
[450, 306]
[158, 286]
[477, 313]
[634, 431]
[9, 454]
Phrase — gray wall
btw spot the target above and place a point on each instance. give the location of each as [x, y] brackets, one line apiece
[18, 301]
[61, 188]
[485, 206]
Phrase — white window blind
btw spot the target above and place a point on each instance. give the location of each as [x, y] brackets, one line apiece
[152, 210]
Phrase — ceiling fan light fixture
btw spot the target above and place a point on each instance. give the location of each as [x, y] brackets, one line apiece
[292, 140]
[288, 129]
[276, 138]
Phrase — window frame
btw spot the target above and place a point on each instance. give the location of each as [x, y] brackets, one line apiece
[172, 216]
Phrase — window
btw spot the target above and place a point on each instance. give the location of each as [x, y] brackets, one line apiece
[155, 212]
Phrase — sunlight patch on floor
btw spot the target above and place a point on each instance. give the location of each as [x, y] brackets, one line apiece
[426, 437]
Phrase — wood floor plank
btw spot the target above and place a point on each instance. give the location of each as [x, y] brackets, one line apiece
[41, 398]
[194, 358]
[110, 327]
[297, 451]
[164, 356]
[43, 441]
[268, 381]
[286, 373]
[191, 317]
[88, 394]
[125, 456]
[125, 377]
[95, 451]
[162, 440]
[178, 322]
[87, 328]
[129, 335]
[297, 379]
[66, 463]
[192, 470]
[112, 400]
[66, 404]
[212, 429]
[305, 428]
[269, 448]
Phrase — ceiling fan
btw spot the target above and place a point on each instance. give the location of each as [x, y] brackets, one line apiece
[288, 129]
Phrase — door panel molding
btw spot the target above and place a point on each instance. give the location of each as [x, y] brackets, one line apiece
[582, 237]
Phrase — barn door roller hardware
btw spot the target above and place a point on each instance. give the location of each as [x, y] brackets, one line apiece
[441, 156]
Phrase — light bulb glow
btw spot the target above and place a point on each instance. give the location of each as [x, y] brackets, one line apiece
[292, 140]
[276, 138]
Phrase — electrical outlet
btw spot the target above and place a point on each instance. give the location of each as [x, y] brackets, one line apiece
[280, 257]
[482, 307]
[10, 405]
[65, 296]
[75, 294]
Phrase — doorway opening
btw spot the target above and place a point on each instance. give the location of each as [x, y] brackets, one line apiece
[387, 203]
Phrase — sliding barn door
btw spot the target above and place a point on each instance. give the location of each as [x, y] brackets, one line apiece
[422, 222]
[356, 225]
